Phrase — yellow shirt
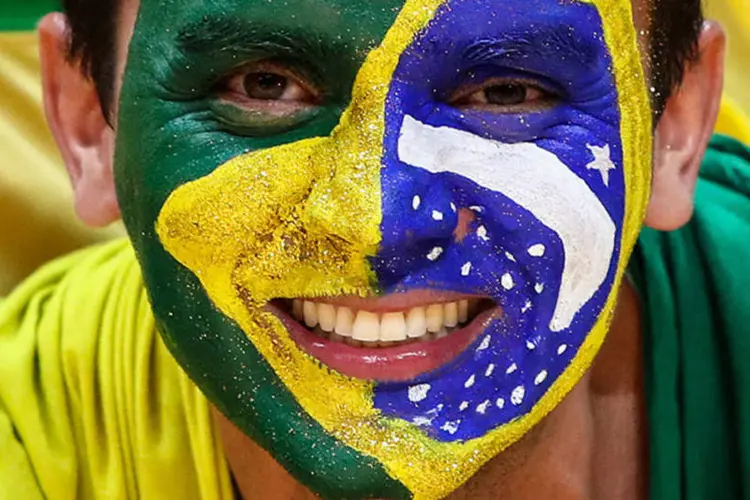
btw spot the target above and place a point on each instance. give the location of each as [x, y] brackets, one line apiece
[92, 405]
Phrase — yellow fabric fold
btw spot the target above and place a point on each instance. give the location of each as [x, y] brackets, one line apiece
[92, 405]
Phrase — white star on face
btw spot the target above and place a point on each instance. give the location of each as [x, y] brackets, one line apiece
[602, 161]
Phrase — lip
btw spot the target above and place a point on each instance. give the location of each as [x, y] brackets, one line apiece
[386, 364]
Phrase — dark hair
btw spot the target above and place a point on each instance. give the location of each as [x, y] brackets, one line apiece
[675, 29]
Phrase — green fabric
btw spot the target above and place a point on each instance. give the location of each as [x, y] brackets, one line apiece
[22, 15]
[695, 288]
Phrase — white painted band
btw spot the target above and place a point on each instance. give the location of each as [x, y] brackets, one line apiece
[538, 181]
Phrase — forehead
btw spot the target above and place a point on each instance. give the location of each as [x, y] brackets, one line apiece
[360, 24]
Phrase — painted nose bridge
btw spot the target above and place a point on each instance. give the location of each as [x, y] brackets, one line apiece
[351, 187]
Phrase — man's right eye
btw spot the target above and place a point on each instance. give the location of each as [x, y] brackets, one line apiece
[268, 88]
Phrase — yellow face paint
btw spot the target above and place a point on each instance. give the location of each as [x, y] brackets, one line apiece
[252, 235]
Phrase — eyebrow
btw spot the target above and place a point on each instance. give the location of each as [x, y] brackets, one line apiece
[213, 34]
[546, 41]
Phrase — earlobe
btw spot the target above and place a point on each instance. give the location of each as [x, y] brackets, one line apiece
[683, 133]
[85, 139]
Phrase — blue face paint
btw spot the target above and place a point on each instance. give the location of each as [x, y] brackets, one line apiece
[512, 253]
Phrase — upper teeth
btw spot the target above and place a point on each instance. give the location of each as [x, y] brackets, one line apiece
[366, 326]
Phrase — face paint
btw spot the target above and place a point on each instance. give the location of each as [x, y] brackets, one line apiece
[558, 196]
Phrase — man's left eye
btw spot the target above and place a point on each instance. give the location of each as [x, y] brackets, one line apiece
[503, 96]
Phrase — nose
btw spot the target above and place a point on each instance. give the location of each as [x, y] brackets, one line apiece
[420, 219]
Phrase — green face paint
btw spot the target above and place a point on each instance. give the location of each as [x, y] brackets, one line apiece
[173, 128]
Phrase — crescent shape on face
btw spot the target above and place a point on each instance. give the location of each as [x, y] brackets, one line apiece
[539, 182]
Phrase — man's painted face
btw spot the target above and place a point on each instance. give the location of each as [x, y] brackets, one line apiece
[482, 166]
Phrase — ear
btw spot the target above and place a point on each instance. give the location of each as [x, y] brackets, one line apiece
[683, 133]
[85, 139]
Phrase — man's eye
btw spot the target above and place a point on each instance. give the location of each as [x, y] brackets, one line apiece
[272, 87]
[508, 94]
[269, 89]
[504, 97]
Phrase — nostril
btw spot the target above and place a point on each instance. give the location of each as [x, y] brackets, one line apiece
[465, 219]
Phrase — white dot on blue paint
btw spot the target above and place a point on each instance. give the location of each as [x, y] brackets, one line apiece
[416, 202]
[435, 253]
[541, 377]
[437, 215]
[485, 343]
[539, 287]
[537, 250]
[526, 307]
[463, 406]
[451, 427]
[507, 281]
[482, 233]
[510, 256]
[466, 269]
[530, 345]
[517, 395]
[470, 381]
[512, 368]
[418, 393]
[500, 403]
[490, 369]
[421, 421]
[482, 408]
[453, 207]
[561, 350]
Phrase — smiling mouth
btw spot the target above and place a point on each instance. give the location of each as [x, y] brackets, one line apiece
[389, 339]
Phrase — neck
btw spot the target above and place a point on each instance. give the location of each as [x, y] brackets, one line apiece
[593, 446]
